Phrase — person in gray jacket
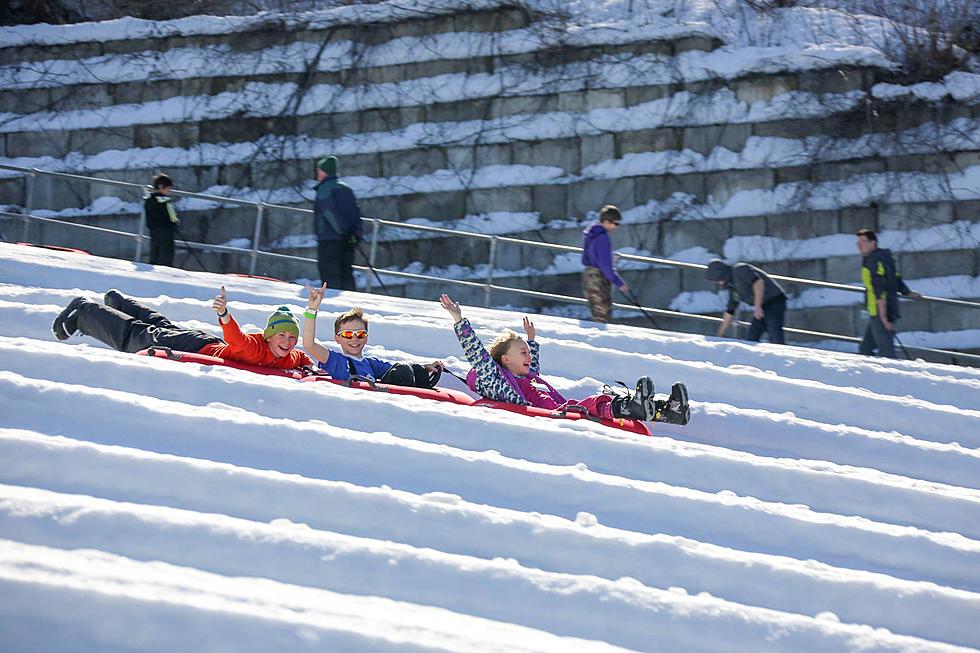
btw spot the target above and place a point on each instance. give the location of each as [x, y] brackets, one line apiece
[749, 284]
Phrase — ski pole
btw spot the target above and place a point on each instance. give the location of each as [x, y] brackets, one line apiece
[900, 344]
[629, 295]
[367, 261]
[190, 249]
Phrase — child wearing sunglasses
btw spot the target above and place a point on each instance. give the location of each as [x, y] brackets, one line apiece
[351, 333]
[509, 372]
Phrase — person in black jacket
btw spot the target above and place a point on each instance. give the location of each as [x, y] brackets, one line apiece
[882, 283]
[751, 285]
[161, 220]
[337, 225]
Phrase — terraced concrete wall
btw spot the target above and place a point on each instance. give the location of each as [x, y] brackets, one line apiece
[498, 120]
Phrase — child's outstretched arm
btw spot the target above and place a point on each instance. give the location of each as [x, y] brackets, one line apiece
[473, 349]
[532, 344]
[220, 306]
[452, 308]
[529, 330]
[312, 347]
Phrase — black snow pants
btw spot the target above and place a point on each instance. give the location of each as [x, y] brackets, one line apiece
[133, 327]
[410, 375]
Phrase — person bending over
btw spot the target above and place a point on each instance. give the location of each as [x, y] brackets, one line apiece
[127, 325]
[509, 372]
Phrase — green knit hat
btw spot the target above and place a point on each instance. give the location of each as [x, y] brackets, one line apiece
[281, 321]
[329, 165]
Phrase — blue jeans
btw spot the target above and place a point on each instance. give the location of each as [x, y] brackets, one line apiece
[771, 322]
[876, 336]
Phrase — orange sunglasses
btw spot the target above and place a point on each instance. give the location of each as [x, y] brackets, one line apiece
[350, 334]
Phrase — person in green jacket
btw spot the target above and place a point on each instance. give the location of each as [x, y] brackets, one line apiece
[161, 220]
[882, 284]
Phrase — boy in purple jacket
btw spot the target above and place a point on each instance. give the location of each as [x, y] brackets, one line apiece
[599, 275]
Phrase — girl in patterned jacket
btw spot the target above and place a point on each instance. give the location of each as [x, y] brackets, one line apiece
[509, 372]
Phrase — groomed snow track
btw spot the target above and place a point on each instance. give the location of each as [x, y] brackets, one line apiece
[816, 502]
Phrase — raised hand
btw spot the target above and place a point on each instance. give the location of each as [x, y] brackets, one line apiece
[315, 296]
[451, 307]
[529, 328]
[220, 303]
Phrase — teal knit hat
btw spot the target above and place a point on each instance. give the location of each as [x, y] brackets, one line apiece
[281, 321]
[329, 165]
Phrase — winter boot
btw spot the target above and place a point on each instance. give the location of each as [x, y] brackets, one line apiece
[66, 324]
[639, 406]
[675, 409]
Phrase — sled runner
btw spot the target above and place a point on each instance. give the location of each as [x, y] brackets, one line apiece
[434, 394]
[201, 359]
[57, 248]
[567, 412]
[363, 383]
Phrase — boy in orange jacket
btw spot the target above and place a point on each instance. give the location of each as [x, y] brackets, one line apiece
[126, 325]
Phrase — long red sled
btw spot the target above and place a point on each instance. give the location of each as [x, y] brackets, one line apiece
[434, 394]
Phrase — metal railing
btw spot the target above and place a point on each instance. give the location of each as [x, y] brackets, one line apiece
[488, 286]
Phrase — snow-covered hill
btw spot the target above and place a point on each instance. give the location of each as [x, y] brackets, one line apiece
[816, 502]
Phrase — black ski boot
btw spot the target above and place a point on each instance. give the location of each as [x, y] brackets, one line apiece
[675, 409]
[115, 299]
[66, 324]
[639, 406]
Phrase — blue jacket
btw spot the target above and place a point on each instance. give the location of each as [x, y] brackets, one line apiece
[338, 366]
[597, 252]
[336, 215]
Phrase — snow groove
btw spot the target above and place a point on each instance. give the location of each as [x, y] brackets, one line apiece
[817, 501]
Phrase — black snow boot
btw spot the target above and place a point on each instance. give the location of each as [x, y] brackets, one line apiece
[675, 409]
[639, 406]
[66, 324]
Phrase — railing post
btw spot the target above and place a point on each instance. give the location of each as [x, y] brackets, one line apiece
[259, 217]
[28, 206]
[141, 229]
[490, 263]
[373, 250]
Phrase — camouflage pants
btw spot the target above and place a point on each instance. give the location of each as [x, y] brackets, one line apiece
[598, 291]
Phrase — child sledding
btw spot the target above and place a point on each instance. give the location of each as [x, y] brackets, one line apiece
[351, 334]
[509, 372]
[127, 325]
[507, 376]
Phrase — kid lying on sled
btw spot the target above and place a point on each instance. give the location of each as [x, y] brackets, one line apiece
[127, 325]
[351, 333]
[509, 372]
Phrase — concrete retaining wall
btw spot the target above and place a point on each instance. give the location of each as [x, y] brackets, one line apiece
[569, 198]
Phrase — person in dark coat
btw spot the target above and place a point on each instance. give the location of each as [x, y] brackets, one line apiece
[599, 275]
[882, 283]
[337, 225]
[161, 220]
[747, 283]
